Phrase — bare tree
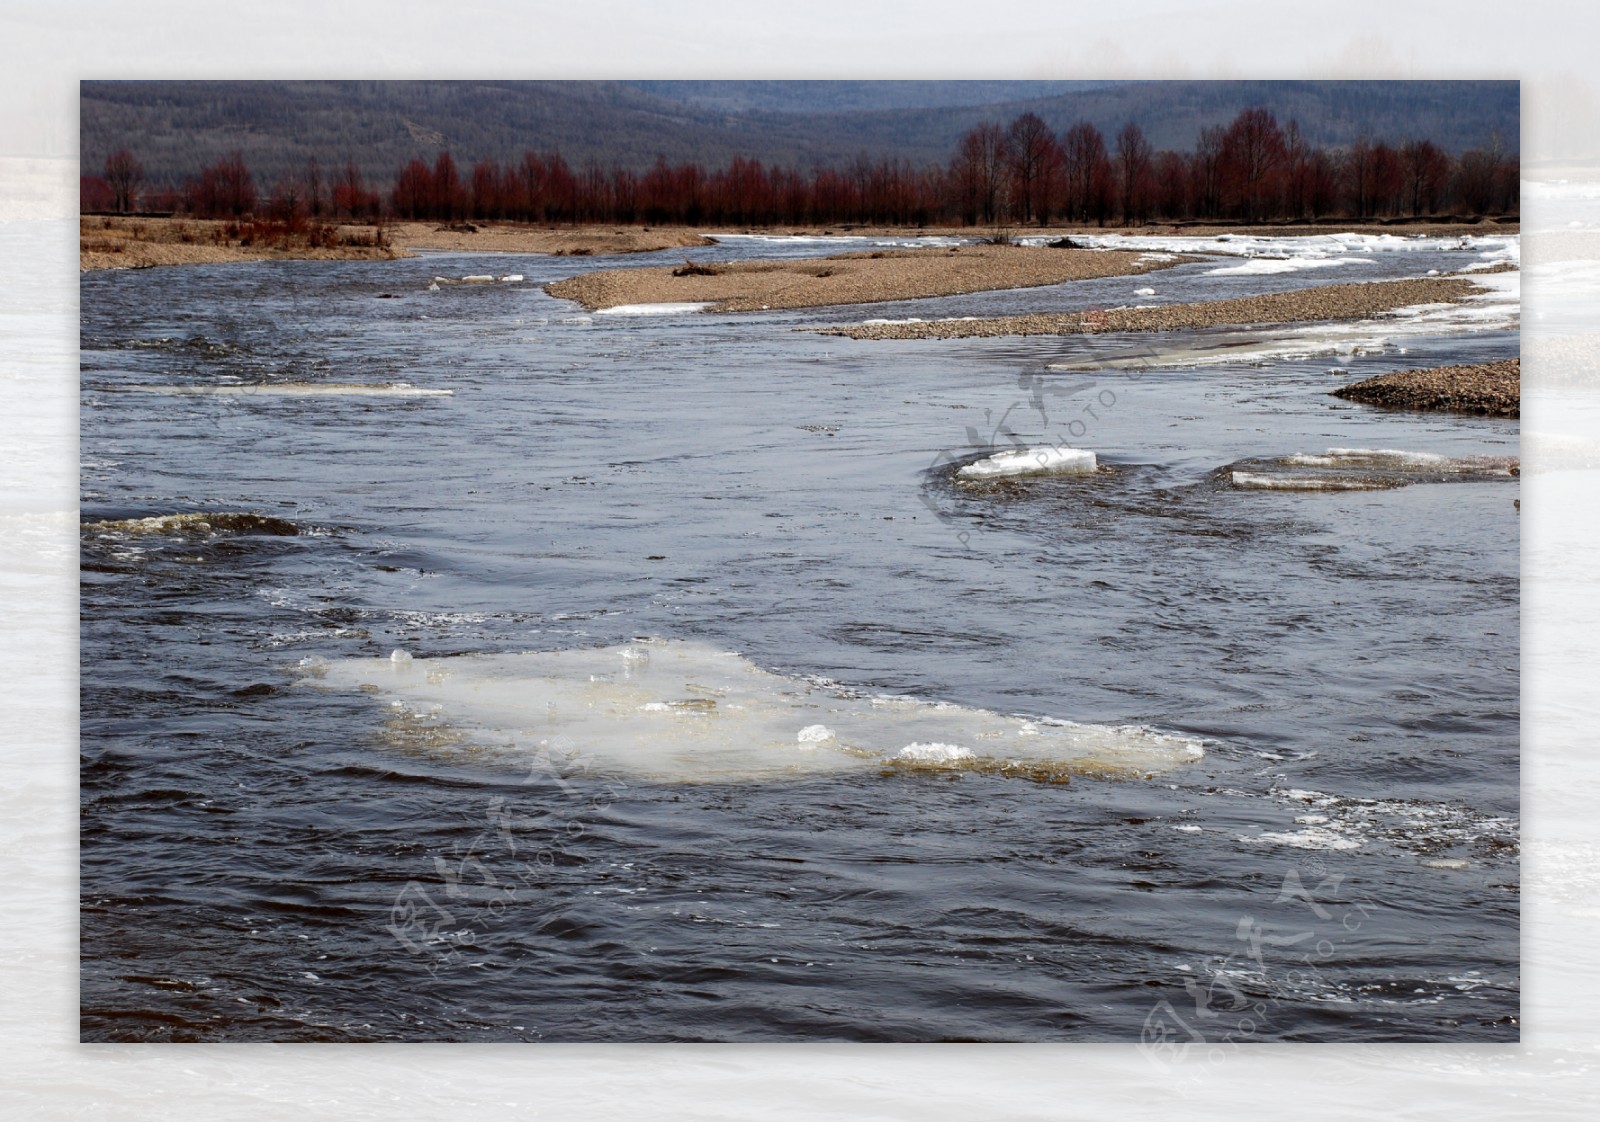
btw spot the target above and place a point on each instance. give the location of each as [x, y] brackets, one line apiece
[1034, 160]
[1358, 174]
[1207, 170]
[1427, 170]
[124, 173]
[316, 192]
[1297, 171]
[1087, 168]
[1252, 152]
[979, 171]
[1133, 159]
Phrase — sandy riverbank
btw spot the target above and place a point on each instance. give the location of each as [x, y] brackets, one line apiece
[1329, 302]
[561, 241]
[1489, 388]
[853, 278]
[139, 243]
[1155, 229]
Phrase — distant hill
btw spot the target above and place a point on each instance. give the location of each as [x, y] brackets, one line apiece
[177, 127]
[853, 96]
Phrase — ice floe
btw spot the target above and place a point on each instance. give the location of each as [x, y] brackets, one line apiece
[1045, 460]
[676, 308]
[689, 711]
[1261, 266]
[1333, 248]
[1365, 469]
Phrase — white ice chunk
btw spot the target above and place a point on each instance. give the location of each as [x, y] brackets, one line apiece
[934, 752]
[677, 308]
[1260, 266]
[1046, 460]
[1266, 481]
[697, 713]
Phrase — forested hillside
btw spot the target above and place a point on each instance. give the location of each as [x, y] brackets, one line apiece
[176, 128]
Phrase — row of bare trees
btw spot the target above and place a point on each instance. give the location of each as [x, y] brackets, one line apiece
[227, 189]
[1251, 170]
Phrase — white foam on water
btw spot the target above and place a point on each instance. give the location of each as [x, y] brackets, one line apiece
[1144, 292]
[1312, 838]
[673, 309]
[692, 712]
[297, 390]
[1046, 460]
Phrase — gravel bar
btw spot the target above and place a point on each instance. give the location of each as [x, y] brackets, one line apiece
[1486, 388]
[1330, 302]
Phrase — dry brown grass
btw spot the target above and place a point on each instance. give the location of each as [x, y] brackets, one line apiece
[139, 243]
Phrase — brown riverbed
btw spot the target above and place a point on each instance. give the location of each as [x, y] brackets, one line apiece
[853, 278]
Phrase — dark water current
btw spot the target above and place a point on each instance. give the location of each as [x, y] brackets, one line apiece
[263, 859]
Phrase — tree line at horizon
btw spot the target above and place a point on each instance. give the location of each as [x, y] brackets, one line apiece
[1251, 170]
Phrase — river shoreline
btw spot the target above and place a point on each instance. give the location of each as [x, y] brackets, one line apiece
[140, 241]
[1327, 302]
[854, 278]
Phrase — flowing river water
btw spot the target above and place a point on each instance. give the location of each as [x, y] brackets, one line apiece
[460, 665]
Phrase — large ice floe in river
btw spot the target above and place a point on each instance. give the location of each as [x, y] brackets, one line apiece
[1364, 469]
[682, 711]
[1046, 460]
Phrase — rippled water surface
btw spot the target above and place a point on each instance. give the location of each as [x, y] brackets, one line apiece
[280, 842]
